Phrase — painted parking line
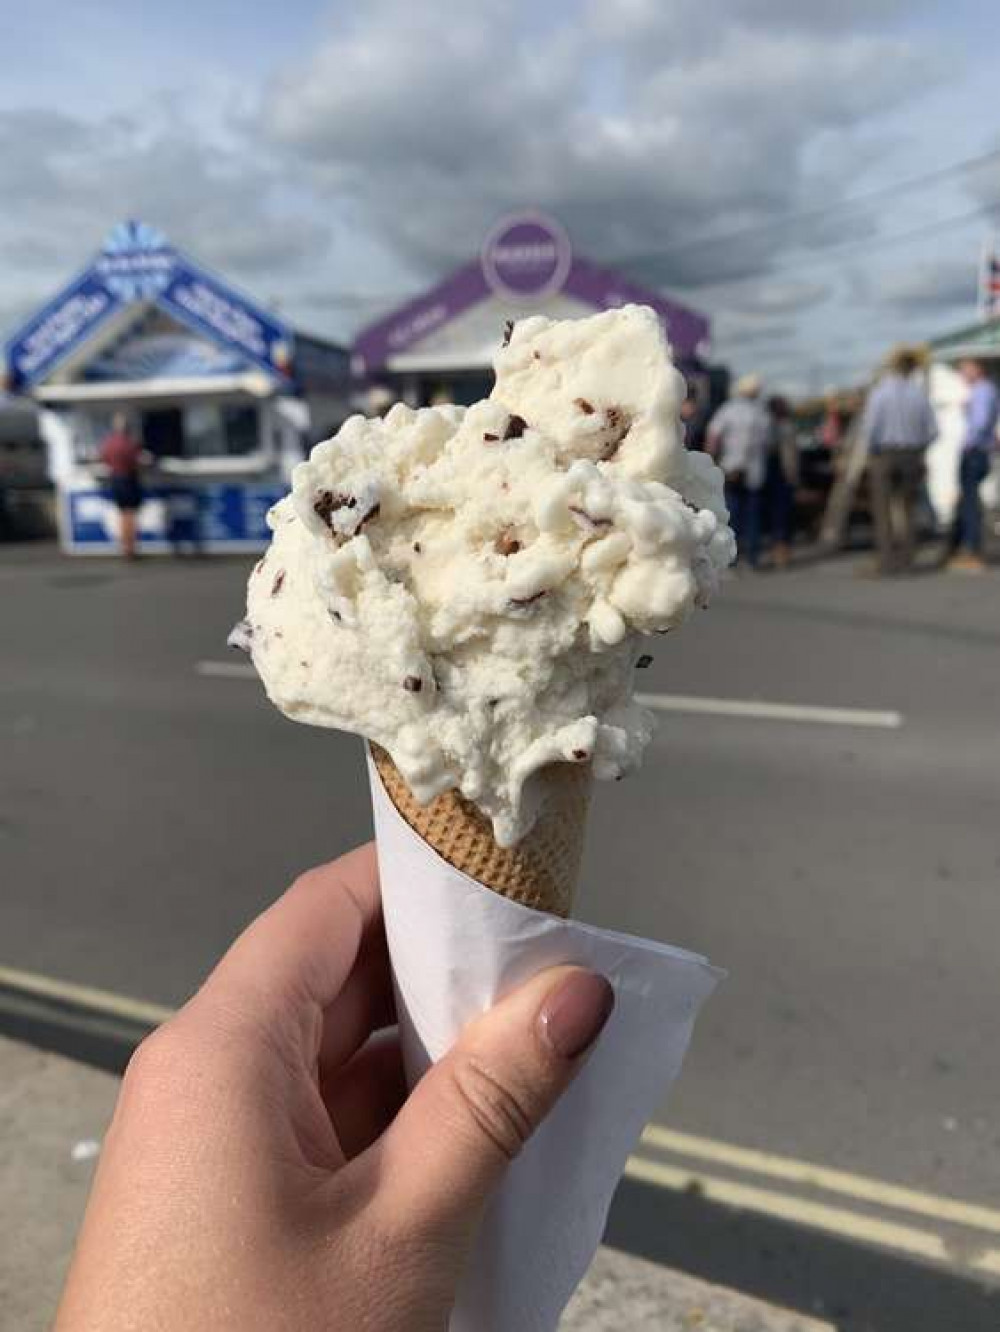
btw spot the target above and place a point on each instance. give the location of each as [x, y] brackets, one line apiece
[102, 1003]
[863, 1188]
[763, 1194]
[841, 1221]
[763, 711]
[718, 707]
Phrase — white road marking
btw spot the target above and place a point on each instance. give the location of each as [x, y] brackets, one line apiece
[226, 670]
[84, 996]
[756, 708]
[862, 1187]
[719, 707]
[919, 1241]
[800, 1211]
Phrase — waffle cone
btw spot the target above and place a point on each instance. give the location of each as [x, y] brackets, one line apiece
[540, 871]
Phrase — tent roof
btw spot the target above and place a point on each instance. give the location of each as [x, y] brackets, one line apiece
[982, 339]
[503, 274]
[135, 270]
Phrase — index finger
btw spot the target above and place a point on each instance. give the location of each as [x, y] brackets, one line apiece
[300, 952]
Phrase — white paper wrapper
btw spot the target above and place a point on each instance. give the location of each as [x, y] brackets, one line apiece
[456, 947]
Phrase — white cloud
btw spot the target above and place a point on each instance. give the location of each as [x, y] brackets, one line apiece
[435, 138]
[932, 286]
[696, 24]
[734, 329]
[74, 178]
[673, 137]
[781, 295]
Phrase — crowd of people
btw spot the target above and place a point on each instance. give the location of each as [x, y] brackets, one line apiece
[898, 427]
[754, 442]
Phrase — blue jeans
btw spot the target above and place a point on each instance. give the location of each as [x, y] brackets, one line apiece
[744, 515]
[974, 467]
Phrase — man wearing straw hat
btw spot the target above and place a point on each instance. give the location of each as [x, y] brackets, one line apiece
[898, 425]
[738, 437]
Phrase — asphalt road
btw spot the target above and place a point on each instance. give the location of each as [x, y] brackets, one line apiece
[847, 878]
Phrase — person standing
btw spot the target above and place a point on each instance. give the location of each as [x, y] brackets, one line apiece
[122, 455]
[898, 425]
[981, 410]
[831, 431]
[694, 419]
[781, 480]
[738, 437]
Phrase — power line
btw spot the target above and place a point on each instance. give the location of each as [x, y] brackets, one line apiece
[820, 211]
[388, 300]
[832, 254]
[865, 245]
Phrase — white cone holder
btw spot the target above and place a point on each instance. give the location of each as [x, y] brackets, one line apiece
[456, 947]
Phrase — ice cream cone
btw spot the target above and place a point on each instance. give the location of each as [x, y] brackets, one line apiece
[540, 871]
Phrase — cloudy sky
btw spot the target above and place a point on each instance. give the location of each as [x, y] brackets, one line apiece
[792, 167]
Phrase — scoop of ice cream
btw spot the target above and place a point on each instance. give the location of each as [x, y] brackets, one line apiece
[468, 587]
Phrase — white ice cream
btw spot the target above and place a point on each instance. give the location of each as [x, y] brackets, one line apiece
[468, 587]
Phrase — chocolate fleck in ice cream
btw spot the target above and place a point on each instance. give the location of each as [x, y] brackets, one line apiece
[469, 588]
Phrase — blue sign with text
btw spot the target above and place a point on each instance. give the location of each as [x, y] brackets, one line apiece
[58, 328]
[206, 305]
[136, 265]
[202, 517]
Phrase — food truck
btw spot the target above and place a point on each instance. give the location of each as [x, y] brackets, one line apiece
[223, 394]
[440, 346]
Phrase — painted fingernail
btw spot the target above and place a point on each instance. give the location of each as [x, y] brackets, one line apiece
[574, 1015]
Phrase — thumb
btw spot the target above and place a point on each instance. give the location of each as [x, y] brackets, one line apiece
[472, 1112]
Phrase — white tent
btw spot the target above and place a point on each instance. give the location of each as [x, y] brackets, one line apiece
[947, 392]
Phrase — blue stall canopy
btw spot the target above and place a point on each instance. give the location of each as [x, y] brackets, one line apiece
[143, 312]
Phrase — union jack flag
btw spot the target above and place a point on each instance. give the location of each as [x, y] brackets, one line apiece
[989, 285]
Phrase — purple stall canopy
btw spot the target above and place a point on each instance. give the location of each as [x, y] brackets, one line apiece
[526, 258]
[687, 330]
[425, 314]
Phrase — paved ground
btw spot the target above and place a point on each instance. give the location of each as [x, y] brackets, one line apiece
[53, 1114]
[849, 879]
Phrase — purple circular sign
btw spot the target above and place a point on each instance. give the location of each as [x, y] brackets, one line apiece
[526, 256]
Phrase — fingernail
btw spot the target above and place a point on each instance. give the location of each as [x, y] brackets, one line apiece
[574, 1015]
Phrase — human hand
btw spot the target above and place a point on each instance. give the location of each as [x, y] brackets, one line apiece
[265, 1169]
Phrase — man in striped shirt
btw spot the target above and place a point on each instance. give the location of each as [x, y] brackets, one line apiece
[898, 425]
